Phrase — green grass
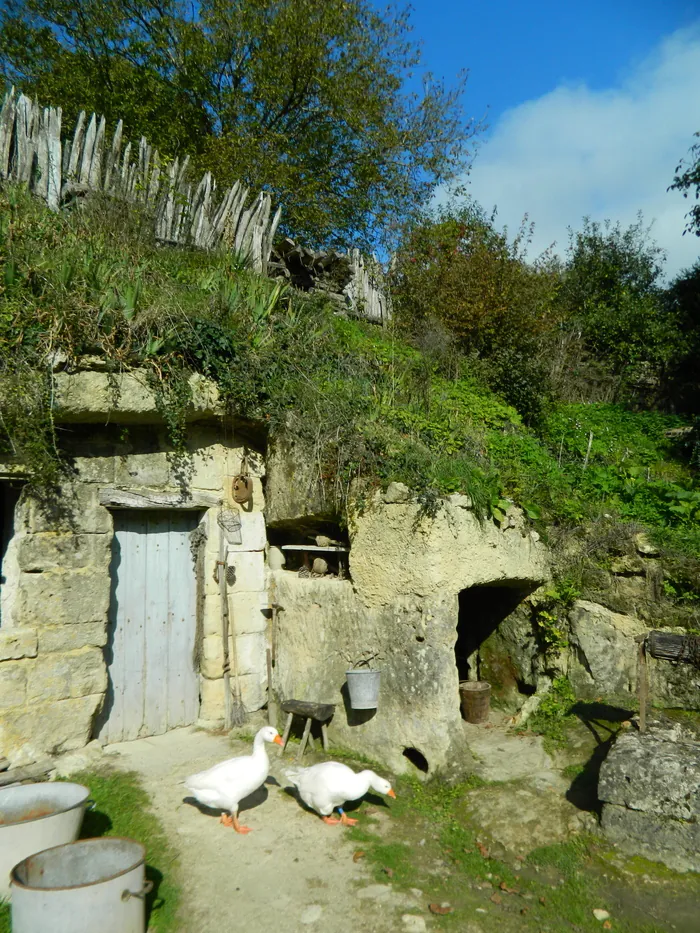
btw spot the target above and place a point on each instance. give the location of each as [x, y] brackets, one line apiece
[429, 842]
[371, 407]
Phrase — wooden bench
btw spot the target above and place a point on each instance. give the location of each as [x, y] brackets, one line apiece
[319, 712]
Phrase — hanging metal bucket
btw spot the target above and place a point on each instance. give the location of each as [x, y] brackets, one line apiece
[35, 817]
[91, 886]
[363, 687]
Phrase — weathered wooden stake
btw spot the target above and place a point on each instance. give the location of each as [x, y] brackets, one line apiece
[642, 685]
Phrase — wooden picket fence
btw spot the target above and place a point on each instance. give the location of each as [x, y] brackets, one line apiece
[185, 213]
[55, 169]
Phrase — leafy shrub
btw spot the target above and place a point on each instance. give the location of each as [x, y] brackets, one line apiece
[549, 719]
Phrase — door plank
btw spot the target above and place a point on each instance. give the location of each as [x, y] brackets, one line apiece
[134, 629]
[158, 544]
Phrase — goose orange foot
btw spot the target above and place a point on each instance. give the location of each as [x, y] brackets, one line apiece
[347, 821]
[330, 820]
[232, 821]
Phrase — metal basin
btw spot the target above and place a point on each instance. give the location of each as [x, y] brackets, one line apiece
[35, 817]
[91, 886]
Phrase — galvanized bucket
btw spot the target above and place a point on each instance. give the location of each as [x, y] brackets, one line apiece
[35, 817]
[83, 887]
[363, 687]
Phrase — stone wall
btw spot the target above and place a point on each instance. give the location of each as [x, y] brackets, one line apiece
[53, 675]
[400, 611]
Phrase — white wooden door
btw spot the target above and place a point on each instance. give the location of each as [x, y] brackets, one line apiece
[153, 685]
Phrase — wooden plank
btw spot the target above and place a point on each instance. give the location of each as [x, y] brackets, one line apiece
[53, 196]
[269, 239]
[134, 630]
[24, 150]
[285, 737]
[156, 624]
[304, 739]
[95, 169]
[124, 499]
[40, 169]
[7, 127]
[183, 679]
[76, 150]
[34, 772]
[86, 155]
[112, 167]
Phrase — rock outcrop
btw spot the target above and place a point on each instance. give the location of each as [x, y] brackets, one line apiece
[649, 787]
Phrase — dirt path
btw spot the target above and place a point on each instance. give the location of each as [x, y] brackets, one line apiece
[293, 873]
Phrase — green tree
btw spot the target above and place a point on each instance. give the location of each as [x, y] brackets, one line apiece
[457, 268]
[305, 97]
[687, 180]
[611, 294]
[683, 302]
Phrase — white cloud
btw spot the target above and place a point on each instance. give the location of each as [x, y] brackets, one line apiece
[607, 153]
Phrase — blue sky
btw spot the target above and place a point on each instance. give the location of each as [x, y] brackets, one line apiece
[589, 105]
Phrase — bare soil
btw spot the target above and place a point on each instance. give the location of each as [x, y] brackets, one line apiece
[292, 873]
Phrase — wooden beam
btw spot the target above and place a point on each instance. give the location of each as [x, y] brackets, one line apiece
[33, 772]
[114, 498]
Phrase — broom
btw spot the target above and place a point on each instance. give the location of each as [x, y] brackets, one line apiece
[234, 711]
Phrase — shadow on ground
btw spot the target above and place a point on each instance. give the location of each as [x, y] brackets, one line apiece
[603, 721]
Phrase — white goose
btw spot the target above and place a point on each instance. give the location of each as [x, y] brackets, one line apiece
[326, 786]
[226, 784]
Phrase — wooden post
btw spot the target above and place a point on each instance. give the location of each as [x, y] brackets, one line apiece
[287, 730]
[304, 739]
[223, 596]
[271, 705]
[642, 684]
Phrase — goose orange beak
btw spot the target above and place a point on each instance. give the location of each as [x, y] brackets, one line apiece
[391, 793]
[278, 740]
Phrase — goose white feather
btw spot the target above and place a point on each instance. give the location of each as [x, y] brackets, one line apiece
[223, 786]
[328, 785]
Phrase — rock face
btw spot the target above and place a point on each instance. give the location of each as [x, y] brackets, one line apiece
[649, 786]
[604, 658]
[395, 553]
[603, 661]
[324, 630]
[401, 611]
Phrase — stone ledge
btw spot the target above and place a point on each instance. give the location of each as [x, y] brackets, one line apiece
[125, 398]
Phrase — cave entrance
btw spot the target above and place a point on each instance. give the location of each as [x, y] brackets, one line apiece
[481, 611]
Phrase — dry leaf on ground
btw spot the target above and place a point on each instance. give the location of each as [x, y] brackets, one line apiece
[439, 909]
